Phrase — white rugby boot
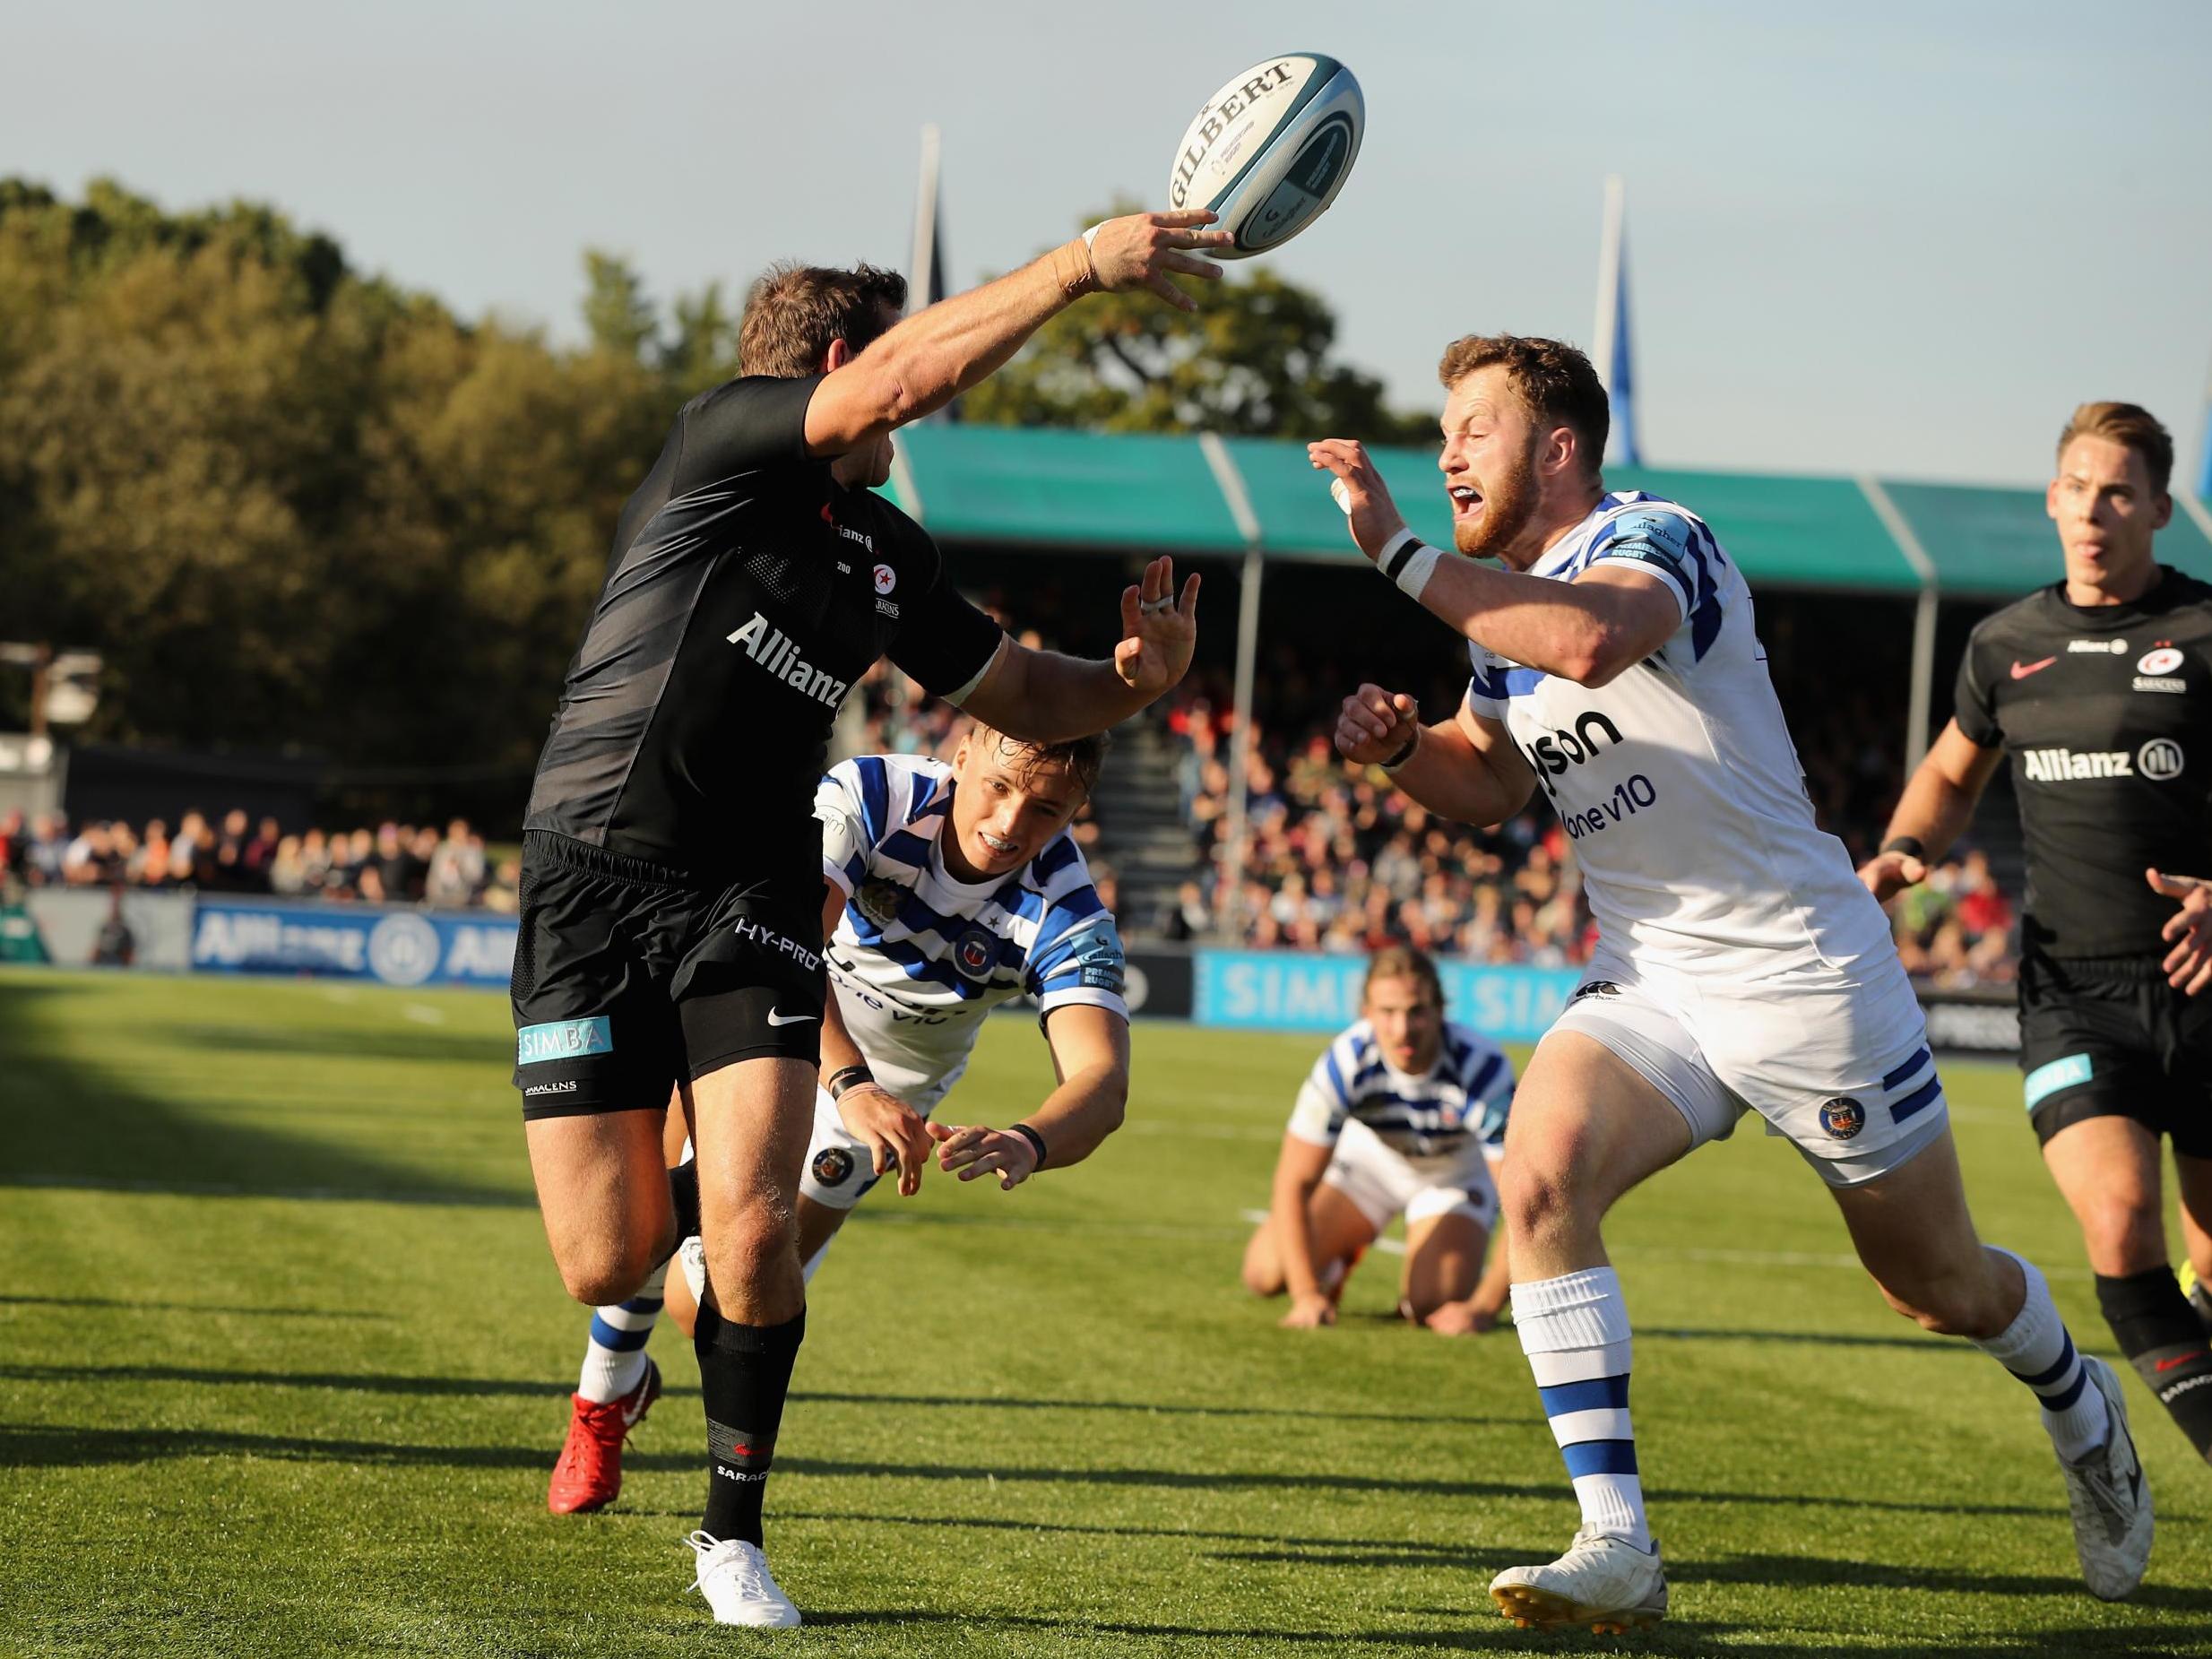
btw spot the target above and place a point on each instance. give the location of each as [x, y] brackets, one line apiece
[2110, 1497]
[1603, 1581]
[734, 1577]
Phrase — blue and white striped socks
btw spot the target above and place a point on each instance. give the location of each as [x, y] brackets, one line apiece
[2035, 1348]
[1575, 1330]
[615, 1362]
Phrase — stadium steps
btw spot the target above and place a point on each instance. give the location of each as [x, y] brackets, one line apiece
[1141, 830]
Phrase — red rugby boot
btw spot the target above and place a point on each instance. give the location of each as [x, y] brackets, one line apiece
[589, 1474]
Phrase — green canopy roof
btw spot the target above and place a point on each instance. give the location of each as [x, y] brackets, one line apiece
[1197, 496]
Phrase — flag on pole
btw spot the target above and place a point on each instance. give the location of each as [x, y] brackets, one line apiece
[1612, 354]
[925, 270]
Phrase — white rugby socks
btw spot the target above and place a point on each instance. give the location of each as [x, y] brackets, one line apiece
[615, 1362]
[2035, 1348]
[1575, 1330]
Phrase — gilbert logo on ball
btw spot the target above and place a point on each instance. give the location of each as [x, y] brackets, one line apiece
[1268, 151]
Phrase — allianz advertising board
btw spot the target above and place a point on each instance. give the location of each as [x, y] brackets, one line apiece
[355, 942]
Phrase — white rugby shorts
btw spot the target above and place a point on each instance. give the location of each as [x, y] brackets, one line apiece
[1838, 1067]
[838, 1173]
[1382, 1182]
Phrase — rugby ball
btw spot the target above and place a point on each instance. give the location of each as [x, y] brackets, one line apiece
[1268, 152]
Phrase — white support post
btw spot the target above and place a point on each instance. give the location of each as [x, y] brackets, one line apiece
[1241, 740]
[1919, 699]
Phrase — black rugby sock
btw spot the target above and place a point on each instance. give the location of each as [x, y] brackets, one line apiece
[2164, 1341]
[744, 1371]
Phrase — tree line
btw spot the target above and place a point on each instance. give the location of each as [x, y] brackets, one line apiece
[297, 505]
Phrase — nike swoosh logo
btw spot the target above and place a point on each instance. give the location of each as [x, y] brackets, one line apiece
[2167, 1365]
[629, 1418]
[789, 1019]
[2021, 670]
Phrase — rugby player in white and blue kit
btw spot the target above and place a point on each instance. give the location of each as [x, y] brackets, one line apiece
[949, 891]
[1403, 1114]
[1740, 965]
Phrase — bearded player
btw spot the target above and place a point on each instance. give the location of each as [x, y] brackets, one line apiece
[1740, 965]
[2099, 689]
[949, 891]
[1403, 1114]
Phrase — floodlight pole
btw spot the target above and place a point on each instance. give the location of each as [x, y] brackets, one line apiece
[1609, 280]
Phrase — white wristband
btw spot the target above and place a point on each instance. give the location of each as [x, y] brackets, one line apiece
[1408, 561]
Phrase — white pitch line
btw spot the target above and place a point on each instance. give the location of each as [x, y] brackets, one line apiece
[423, 1014]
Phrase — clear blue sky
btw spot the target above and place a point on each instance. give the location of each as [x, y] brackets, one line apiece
[1894, 237]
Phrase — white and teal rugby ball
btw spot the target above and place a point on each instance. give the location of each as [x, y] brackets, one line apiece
[1268, 152]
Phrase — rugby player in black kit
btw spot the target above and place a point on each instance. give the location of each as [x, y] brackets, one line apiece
[2099, 687]
[671, 903]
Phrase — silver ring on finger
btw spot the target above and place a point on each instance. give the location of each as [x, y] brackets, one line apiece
[1157, 607]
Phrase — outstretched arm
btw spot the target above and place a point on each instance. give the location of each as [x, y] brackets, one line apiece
[939, 352]
[1937, 806]
[1048, 698]
[1091, 1057]
[1588, 630]
[1466, 769]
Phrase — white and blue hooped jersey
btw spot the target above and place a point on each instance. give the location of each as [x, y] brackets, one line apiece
[1677, 782]
[1460, 1102]
[917, 959]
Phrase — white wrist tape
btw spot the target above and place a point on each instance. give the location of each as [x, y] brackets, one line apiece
[1408, 561]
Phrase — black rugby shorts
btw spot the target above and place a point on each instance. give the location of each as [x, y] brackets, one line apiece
[2107, 1037]
[628, 979]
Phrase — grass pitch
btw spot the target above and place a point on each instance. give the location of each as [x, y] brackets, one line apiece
[283, 1367]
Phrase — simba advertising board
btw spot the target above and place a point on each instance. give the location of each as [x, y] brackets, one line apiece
[1286, 990]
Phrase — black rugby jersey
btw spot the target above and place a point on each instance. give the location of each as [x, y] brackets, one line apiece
[747, 593]
[2105, 712]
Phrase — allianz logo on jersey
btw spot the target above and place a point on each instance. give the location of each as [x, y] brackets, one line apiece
[779, 653]
[1561, 748]
[2158, 760]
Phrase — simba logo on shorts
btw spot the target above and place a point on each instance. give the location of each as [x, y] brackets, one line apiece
[832, 1166]
[1842, 1116]
[564, 1040]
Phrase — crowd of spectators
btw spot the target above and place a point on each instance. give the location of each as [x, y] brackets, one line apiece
[392, 864]
[1955, 930]
[1334, 858]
